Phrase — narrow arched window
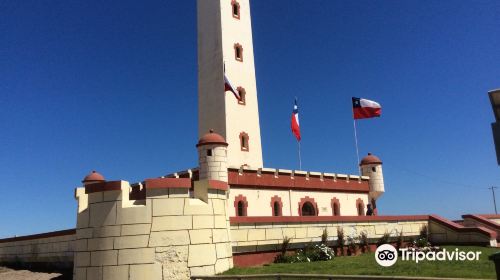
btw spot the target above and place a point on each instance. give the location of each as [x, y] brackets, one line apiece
[336, 209]
[276, 209]
[236, 9]
[308, 209]
[242, 93]
[361, 209]
[241, 209]
[244, 141]
[238, 52]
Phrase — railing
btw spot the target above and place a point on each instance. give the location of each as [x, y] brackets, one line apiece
[285, 276]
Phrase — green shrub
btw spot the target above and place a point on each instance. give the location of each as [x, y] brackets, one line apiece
[384, 239]
[324, 236]
[363, 242]
[424, 232]
[340, 240]
[283, 257]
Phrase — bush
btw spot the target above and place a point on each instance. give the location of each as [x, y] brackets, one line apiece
[352, 244]
[424, 232]
[340, 240]
[399, 243]
[363, 242]
[282, 257]
[324, 236]
[313, 253]
[384, 239]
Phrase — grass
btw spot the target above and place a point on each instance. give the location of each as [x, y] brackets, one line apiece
[365, 265]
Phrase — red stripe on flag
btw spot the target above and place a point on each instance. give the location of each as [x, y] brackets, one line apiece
[295, 128]
[366, 112]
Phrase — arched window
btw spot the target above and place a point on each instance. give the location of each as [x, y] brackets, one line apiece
[308, 207]
[242, 93]
[240, 205]
[360, 206]
[238, 52]
[241, 208]
[244, 141]
[236, 9]
[276, 206]
[335, 207]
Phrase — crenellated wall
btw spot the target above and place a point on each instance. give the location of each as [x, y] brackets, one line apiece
[166, 235]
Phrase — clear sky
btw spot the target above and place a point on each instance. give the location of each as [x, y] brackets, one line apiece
[112, 86]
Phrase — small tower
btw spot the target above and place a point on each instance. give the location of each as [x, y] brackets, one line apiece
[92, 178]
[212, 156]
[371, 166]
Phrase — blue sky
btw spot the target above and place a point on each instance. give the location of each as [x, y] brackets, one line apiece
[112, 86]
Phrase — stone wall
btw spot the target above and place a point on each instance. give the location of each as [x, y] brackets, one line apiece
[48, 250]
[254, 234]
[166, 235]
[443, 231]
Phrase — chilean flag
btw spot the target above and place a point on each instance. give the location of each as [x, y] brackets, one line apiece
[364, 108]
[295, 121]
[229, 87]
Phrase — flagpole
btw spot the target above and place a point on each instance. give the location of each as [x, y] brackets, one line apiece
[300, 158]
[356, 141]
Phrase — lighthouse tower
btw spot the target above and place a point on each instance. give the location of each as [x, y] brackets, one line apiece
[371, 166]
[225, 47]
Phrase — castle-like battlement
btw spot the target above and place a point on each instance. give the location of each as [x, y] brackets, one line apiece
[155, 237]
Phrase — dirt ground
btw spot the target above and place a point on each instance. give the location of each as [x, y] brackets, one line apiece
[11, 274]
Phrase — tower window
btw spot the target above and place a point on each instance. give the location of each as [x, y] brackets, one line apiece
[308, 209]
[236, 9]
[238, 52]
[240, 209]
[244, 142]
[374, 169]
[209, 152]
[242, 94]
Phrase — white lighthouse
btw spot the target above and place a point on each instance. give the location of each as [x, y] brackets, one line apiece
[225, 45]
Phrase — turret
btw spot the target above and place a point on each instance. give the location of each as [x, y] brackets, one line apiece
[371, 166]
[92, 178]
[212, 156]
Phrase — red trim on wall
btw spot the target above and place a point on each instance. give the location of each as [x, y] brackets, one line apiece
[460, 228]
[40, 235]
[166, 183]
[254, 258]
[104, 186]
[489, 216]
[245, 204]
[360, 202]
[303, 201]
[335, 206]
[488, 223]
[277, 199]
[250, 179]
[218, 185]
[313, 219]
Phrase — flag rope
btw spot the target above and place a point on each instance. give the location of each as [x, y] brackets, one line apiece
[357, 149]
[300, 158]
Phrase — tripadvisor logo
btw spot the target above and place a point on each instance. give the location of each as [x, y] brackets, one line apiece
[386, 255]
